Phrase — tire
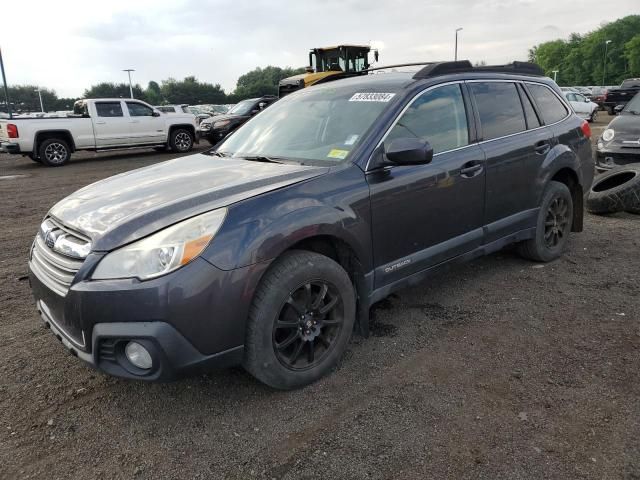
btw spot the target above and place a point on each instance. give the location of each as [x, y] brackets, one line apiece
[611, 111]
[615, 191]
[554, 223]
[282, 329]
[54, 152]
[181, 140]
[594, 116]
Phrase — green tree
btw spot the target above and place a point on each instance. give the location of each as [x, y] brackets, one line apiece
[581, 59]
[153, 93]
[191, 91]
[632, 54]
[262, 81]
[114, 90]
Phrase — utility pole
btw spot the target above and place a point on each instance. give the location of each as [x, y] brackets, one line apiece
[129, 70]
[456, 49]
[555, 75]
[40, 95]
[604, 68]
[6, 90]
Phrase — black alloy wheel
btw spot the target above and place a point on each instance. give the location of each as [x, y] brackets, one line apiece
[308, 324]
[556, 225]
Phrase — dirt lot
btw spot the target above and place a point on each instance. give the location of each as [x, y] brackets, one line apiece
[501, 369]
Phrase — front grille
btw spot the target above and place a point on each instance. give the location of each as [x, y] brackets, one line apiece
[54, 269]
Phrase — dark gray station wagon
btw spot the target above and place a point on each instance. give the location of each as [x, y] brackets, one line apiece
[269, 250]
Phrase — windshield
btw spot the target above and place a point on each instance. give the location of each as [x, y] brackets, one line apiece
[242, 108]
[320, 125]
[633, 106]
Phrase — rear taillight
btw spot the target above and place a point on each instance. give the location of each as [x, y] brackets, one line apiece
[12, 130]
[586, 129]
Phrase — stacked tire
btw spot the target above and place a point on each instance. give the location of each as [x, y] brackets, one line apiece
[618, 190]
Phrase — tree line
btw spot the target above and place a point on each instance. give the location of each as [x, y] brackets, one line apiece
[605, 56]
[257, 82]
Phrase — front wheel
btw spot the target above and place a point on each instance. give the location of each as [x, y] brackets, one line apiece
[555, 219]
[181, 140]
[300, 321]
[54, 152]
[594, 116]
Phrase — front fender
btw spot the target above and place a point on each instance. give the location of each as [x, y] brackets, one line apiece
[261, 228]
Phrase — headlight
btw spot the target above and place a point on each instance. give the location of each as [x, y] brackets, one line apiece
[221, 123]
[163, 251]
[608, 134]
[205, 126]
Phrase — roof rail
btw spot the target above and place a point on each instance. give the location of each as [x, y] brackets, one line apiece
[384, 67]
[461, 66]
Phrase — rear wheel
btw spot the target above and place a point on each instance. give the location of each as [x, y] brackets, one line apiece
[54, 152]
[554, 223]
[300, 322]
[181, 140]
[594, 116]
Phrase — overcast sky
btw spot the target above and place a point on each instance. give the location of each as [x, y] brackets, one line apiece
[69, 45]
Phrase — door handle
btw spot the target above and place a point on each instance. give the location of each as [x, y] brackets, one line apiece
[470, 169]
[100, 123]
[135, 121]
[542, 147]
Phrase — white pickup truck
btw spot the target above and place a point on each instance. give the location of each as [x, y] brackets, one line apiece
[97, 124]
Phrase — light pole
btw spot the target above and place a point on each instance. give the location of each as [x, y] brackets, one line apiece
[40, 95]
[555, 75]
[456, 50]
[129, 70]
[6, 90]
[604, 61]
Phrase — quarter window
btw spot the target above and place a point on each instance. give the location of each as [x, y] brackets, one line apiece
[499, 108]
[109, 109]
[139, 110]
[550, 106]
[438, 116]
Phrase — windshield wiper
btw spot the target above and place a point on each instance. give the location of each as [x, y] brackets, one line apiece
[217, 153]
[260, 158]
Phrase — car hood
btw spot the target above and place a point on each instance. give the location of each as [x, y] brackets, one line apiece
[132, 205]
[626, 126]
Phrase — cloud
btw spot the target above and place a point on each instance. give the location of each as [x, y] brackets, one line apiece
[70, 45]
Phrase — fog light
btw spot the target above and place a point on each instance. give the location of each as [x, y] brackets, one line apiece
[138, 355]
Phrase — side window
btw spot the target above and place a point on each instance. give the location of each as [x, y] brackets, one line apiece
[550, 106]
[499, 108]
[529, 111]
[437, 116]
[109, 109]
[162, 109]
[139, 110]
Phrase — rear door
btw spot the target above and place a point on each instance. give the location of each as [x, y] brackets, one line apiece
[145, 128]
[110, 124]
[516, 145]
[423, 215]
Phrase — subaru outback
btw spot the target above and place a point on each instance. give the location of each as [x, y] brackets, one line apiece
[269, 250]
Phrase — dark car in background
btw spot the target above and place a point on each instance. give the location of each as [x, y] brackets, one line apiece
[216, 128]
[617, 97]
[269, 250]
[619, 143]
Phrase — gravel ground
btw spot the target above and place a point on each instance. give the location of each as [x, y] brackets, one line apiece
[500, 369]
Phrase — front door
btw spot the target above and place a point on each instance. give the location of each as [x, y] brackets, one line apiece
[423, 215]
[145, 128]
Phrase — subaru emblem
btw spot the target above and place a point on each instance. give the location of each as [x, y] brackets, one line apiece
[50, 240]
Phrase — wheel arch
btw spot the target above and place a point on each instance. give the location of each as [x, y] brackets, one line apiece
[569, 177]
[43, 135]
[185, 126]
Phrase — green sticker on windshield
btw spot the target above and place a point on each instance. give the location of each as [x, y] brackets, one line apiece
[337, 153]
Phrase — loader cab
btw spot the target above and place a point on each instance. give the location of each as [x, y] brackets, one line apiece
[330, 63]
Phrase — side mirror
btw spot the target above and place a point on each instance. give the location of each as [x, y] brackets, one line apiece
[409, 151]
[155, 113]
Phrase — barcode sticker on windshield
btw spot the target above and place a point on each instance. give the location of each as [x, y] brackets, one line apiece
[372, 97]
